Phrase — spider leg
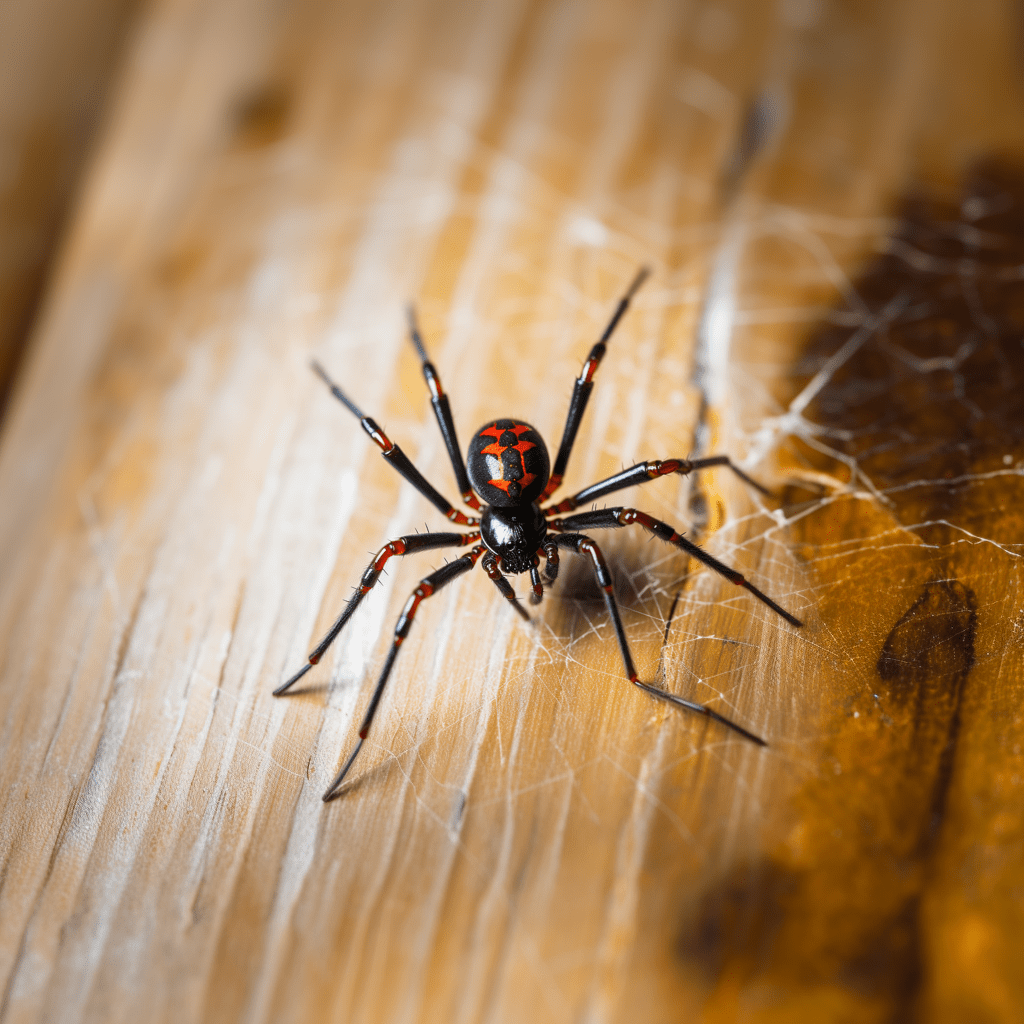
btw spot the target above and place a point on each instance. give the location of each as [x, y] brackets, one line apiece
[615, 517]
[402, 546]
[443, 414]
[644, 471]
[536, 586]
[583, 545]
[550, 550]
[427, 587]
[395, 455]
[490, 566]
[585, 384]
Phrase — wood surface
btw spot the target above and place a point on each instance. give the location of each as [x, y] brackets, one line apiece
[830, 197]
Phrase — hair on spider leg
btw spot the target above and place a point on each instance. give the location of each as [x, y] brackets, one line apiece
[507, 477]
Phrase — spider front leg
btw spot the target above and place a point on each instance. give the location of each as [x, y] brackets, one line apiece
[615, 517]
[428, 586]
[550, 550]
[493, 570]
[536, 586]
[644, 471]
[442, 413]
[583, 545]
[537, 579]
[585, 384]
[395, 456]
[402, 546]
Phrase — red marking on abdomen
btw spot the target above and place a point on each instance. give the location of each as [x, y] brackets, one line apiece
[498, 449]
[503, 485]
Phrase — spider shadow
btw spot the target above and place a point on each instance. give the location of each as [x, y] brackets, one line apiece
[376, 775]
[311, 689]
[643, 585]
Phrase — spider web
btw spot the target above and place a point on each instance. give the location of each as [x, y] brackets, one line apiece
[893, 444]
[526, 731]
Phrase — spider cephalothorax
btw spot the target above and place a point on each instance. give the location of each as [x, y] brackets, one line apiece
[514, 535]
[507, 477]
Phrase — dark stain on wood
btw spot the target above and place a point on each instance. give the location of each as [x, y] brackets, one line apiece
[930, 408]
[261, 117]
[934, 394]
[925, 661]
[936, 630]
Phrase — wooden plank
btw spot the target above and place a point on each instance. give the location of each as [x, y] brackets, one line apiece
[526, 837]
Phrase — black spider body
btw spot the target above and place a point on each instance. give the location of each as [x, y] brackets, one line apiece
[514, 535]
[508, 463]
[507, 477]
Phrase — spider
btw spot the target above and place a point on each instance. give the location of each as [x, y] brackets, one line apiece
[506, 478]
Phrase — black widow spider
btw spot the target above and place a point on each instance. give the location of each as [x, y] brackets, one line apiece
[508, 467]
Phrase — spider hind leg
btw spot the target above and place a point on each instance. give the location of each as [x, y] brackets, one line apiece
[402, 546]
[583, 545]
[613, 518]
[427, 587]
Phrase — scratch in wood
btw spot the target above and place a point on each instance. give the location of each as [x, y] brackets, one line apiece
[62, 832]
[66, 699]
[127, 633]
[204, 847]
[458, 811]
[660, 672]
[98, 543]
[5, 867]
[266, 756]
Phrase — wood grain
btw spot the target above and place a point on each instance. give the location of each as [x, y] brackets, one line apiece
[836, 299]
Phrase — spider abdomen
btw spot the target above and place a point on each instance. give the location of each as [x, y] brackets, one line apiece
[514, 535]
[508, 463]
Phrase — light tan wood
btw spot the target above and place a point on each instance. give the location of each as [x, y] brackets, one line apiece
[527, 838]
